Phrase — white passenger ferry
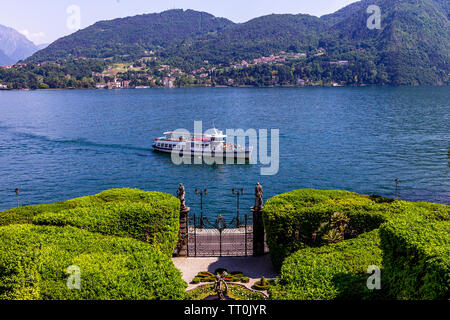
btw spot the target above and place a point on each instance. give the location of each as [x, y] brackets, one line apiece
[200, 145]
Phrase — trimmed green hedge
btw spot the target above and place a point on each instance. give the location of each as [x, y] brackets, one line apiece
[335, 271]
[34, 260]
[235, 276]
[291, 219]
[156, 223]
[152, 217]
[27, 213]
[414, 251]
[262, 284]
[416, 256]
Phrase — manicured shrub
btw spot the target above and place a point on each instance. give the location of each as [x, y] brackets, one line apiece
[245, 279]
[25, 214]
[413, 254]
[292, 219]
[206, 274]
[231, 278]
[220, 271]
[156, 222]
[240, 292]
[416, 256]
[234, 276]
[262, 284]
[34, 260]
[237, 276]
[336, 271]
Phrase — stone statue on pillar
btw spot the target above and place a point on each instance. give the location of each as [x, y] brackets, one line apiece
[258, 224]
[181, 193]
[182, 245]
[258, 196]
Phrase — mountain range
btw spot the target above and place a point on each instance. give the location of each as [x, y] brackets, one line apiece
[412, 47]
[14, 46]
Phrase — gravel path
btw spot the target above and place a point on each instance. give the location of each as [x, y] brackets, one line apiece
[252, 267]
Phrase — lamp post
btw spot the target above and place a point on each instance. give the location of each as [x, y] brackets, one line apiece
[17, 196]
[237, 194]
[198, 192]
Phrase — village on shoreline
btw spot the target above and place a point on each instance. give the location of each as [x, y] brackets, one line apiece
[275, 70]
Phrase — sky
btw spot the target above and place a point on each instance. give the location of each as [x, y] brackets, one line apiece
[44, 21]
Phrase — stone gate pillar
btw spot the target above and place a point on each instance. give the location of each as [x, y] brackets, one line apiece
[182, 247]
[258, 225]
[258, 232]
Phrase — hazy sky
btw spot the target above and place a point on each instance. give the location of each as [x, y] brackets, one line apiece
[43, 21]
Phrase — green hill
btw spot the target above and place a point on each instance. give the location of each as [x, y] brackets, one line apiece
[410, 48]
[133, 37]
[261, 36]
[412, 44]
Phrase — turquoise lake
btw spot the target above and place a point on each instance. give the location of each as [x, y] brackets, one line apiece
[57, 145]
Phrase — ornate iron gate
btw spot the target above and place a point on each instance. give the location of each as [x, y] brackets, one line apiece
[219, 239]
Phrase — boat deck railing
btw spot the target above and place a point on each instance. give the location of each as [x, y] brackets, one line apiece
[182, 140]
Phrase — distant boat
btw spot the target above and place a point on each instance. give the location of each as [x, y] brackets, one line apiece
[200, 145]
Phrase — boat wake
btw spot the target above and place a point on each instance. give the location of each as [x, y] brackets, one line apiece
[76, 141]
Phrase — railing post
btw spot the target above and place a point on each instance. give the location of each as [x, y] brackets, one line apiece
[195, 237]
[187, 236]
[220, 243]
[246, 253]
[201, 210]
[237, 218]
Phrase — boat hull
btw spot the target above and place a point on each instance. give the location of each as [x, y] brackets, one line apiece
[206, 154]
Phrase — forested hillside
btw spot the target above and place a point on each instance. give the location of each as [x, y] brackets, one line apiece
[133, 37]
[185, 48]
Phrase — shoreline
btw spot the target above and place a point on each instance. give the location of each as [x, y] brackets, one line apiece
[233, 87]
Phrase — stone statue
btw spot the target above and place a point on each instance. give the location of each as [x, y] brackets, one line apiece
[258, 196]
[181, 193]
[221, 286]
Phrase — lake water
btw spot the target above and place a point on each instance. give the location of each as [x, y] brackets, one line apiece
[57, 145]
